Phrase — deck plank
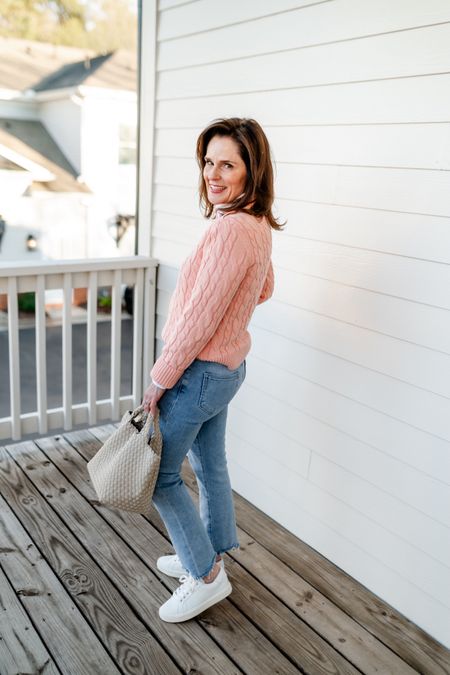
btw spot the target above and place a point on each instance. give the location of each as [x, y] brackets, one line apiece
[21, 648]
[128, 641]
[61, 626]
[291, 609]
[123, 557]
[304, 647]
[413, 645]
[354, 642]
[400, 645]
[228, 625]
[360, 647]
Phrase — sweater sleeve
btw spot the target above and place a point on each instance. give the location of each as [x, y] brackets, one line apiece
[226, 258]
[267, 289]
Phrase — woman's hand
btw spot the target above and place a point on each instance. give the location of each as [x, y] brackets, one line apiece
[151, 397]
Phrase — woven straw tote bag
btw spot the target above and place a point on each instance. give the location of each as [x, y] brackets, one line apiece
[124, 470]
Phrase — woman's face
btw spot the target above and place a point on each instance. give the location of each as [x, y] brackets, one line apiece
[224, 172]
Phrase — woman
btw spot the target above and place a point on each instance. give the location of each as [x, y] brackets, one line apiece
[202, 364]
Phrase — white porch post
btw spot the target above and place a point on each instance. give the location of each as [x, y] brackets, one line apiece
[146, 117]
[147, 79]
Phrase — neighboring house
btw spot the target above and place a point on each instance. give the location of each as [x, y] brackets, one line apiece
[341, 432]
[40, 194]
[67, 150]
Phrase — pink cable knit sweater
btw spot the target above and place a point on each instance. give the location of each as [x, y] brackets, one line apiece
[219, 285]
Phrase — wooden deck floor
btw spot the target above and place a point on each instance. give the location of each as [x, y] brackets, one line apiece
[81, 589]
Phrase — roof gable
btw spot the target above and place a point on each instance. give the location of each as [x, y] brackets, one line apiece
[31, 140]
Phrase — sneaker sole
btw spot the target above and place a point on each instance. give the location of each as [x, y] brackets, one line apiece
[220, 595]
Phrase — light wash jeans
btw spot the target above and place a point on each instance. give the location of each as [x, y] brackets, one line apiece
[193, 415]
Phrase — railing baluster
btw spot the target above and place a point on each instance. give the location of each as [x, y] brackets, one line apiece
[92, 348]
[41, 355]
[116, 336]
[149, 324]
[138, 297]
[67, 350]
[14, 359]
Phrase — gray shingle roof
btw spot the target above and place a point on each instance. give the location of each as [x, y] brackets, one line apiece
[112, 70]
[25, 64]
[32, 140]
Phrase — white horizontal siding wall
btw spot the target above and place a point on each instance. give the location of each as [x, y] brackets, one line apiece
[341, 431]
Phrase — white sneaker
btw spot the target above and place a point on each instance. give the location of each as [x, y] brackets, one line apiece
[193, 596]
[171, 565]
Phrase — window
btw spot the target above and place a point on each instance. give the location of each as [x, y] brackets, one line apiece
[127, 144]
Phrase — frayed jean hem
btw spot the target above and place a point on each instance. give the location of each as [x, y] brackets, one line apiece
[233, 547]
[205, 574]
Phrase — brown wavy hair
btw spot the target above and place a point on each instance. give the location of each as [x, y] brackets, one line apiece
[254, 149]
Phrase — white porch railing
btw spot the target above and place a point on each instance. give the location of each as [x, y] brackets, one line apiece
[136, 271]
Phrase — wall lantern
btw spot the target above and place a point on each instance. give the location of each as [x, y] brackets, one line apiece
[118, 225]
[31, 243]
